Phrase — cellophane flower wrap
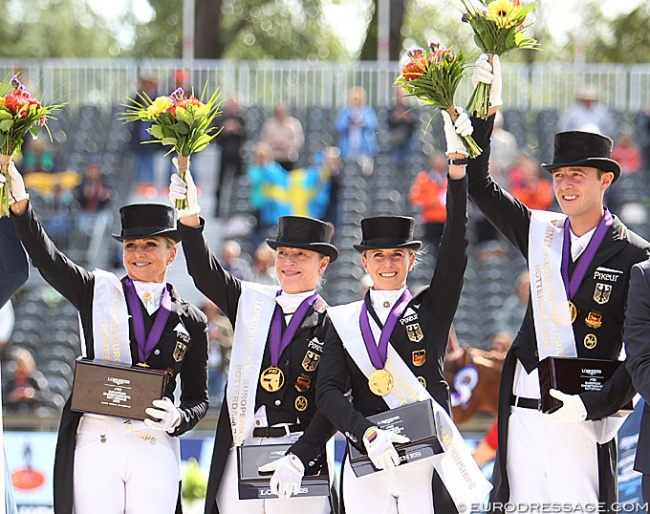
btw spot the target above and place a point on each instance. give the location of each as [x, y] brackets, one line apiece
[498, 27]
[181, 121]
[20, 113]
[434, 79]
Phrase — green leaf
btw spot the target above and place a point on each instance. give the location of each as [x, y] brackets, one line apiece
[169, 141]
[156, 131]
[6, 125]
[184, 116]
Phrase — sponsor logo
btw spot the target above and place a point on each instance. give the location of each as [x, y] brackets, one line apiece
[119, 381]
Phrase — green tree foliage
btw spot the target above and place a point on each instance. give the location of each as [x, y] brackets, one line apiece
[54, 28]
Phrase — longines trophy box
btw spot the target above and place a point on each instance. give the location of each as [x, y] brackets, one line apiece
[102, 387]
[254, 485]
[573, 376]
[414, 421]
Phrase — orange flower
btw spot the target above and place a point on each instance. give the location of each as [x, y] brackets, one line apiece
[416, 65]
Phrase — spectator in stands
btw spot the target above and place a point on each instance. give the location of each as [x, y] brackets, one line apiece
[231, 142]
[232, 261]
[264, 266]
[24, 387]
[356, 125]
[93, 193]
[402, 121]
[503, 151]
[219, 348]
[277, 344]
[510, 316]
[116, 453]
[626, 153]
[529, 186]
[429, 194]
[39, 156]
[587, 114]
[332, 166]
[144, 154]
[284, 134]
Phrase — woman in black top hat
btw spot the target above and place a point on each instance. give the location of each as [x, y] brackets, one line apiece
[107, 464]
[278, 340]
[388, 350]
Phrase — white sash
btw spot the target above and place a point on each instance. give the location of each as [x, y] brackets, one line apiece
[551, 315]
[110, 320]
[254, 313]
[457, 469]
[550, 303]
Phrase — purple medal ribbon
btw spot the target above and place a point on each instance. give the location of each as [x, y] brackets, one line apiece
[571, 285]
[280, 341]
[145, 347]
[377, 353]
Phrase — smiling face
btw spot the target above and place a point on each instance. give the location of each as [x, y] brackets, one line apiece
[298, 270]
[147, 259]
[579, 190]
[388, 267]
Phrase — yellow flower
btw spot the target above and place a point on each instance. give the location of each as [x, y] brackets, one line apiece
[158, 106]
[3, 101]
[503, 13]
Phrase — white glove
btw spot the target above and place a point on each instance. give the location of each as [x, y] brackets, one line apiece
[572, 410]
[287, 475]
[379, 445]
[16, 185]
[166, 416]
[489, 74]
[180, 189]
[454, 131]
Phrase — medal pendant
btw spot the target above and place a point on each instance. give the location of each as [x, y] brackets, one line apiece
[272, 379]
[142, 364]
[573, 311]
[380, 382]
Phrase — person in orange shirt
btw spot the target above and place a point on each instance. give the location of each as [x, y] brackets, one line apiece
[527, 186]
[428, 193]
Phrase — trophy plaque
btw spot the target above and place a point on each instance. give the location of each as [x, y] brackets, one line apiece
[573, 376]
[414, 421]
[102, 387]
[254, 485]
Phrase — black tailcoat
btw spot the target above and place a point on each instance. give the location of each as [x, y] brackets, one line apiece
[224, 290]
[77, 285]
[619, 251]
[434, 309]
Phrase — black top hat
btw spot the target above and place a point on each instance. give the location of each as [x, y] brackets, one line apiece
[387, 232]
[583, 149]
[143, 220]
[306, 233]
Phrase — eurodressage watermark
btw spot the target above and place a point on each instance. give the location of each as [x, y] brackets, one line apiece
[537, 507]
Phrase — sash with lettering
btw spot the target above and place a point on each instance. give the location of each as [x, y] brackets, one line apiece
[551, 290]
[254, 312]
[456, 467]
[110, 320]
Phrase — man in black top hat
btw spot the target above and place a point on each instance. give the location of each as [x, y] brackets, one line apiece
[278, 340]
[579, 263]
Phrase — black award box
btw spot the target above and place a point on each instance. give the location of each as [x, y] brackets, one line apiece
[414, 421]
[254, 485]
[573, 376]
[102, 387]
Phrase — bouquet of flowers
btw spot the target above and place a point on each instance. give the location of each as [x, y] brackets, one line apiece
[178, 120]
[498, 27]
[20, 113]
[434, 80]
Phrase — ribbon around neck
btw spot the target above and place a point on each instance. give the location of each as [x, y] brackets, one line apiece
[279, 341]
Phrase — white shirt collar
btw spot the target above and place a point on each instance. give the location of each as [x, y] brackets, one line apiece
[383, 301]
[290, 302]
[579, 243]
[150, 293]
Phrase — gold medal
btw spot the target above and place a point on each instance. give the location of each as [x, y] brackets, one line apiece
[272, 379]
[301, 403]
[142, 364]
[422, 381]
[590, 341]
[573, 311]
[380, 382]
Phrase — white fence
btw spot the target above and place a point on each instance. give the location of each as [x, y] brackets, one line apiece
[299, 83]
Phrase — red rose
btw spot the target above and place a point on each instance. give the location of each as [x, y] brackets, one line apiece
[16, 100]
[415, 67]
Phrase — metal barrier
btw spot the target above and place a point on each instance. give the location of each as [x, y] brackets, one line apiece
[107, 82]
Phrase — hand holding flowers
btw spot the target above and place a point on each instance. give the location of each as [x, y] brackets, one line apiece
[498, 27]
[434, 80]
[19, 113]
[183, 122]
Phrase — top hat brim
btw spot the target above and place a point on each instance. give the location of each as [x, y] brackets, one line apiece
[171, 233]
[322, 248]
[601, 163]
[363, 246]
